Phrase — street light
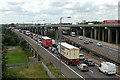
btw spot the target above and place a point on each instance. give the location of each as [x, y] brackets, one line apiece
[37, 22]
[60, 37]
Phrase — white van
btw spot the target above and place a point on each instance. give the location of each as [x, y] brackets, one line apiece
[81, 56]
[107, 68]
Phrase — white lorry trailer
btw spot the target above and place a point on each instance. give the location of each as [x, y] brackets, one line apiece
[69, 53]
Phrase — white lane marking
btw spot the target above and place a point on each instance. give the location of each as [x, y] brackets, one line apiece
[62, 62]
[91, 71]
[117, 75]
[97, 65]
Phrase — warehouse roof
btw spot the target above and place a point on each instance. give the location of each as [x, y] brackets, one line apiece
[68, 45]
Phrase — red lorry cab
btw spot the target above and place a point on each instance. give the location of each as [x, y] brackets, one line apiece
[46, 41]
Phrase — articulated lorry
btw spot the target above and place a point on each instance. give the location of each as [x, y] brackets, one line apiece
[69, 53]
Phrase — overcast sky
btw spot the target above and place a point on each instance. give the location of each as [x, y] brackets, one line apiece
[13, 11]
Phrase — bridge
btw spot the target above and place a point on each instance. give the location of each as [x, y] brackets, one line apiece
[101, 32]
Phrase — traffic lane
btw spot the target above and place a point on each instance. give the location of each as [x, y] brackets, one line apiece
[94, 45]
[114, 49]
[104, 49]
[57, 63]
[94, 71]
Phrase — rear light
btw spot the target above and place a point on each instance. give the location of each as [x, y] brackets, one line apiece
[89, 63]
[83, 68]
[107, 71]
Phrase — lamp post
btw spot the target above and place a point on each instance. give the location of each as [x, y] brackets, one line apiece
[60, 37]
[37, 22]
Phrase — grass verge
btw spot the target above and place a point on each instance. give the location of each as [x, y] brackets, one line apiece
[54, 71]
[28, 71]
[16, 56]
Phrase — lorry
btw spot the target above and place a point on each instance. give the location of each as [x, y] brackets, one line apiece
[69, 53]
[73, 34]
[107, 68]
[28, 33]
[111, 22]
[46, 41]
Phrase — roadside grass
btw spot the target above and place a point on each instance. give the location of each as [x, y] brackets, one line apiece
[28, 71]
[16, 56]
[54, 71]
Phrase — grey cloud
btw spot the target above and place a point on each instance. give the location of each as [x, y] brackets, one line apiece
[58, 4]
[119, 10]
[77, 8]
[15, 3]
[52, 11]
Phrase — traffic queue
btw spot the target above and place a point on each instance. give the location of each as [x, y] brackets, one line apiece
[70, 54]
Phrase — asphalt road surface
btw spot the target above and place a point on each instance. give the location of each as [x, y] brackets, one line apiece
[108, 50]
[71, 71]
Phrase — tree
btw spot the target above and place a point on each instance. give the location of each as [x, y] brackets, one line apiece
[4, 60]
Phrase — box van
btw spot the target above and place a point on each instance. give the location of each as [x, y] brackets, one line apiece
[81, 56]
[107, 68]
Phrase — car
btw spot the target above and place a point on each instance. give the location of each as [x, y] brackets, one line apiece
[90, 41]
[81, 56]
[99, 44]
[50, 48]
[86, 42]
[89, 62]
[80, 38]
[35, 38]
[107, 68]
[83, 67]
[39, 41]
[39, 37]
[53, 49]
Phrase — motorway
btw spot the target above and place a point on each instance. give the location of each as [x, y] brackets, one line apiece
[106, 49]
[70, 71]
